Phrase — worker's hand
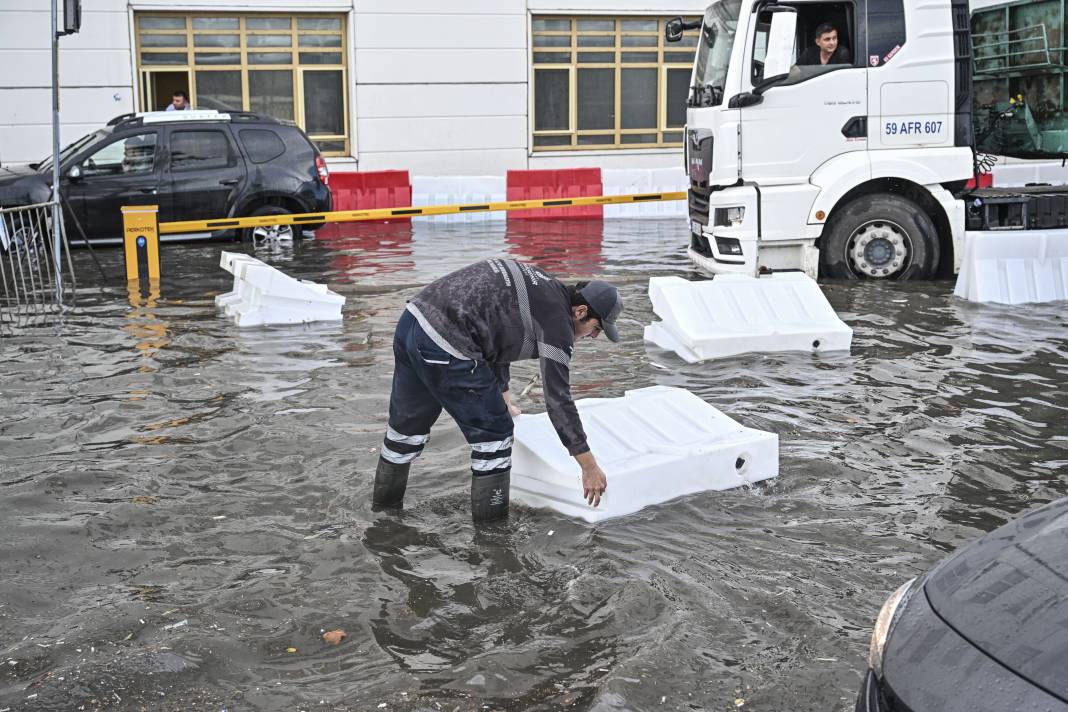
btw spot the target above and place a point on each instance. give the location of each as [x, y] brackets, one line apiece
[512, 409]
[594, 483]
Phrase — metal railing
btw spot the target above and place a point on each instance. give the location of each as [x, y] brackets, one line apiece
[30, 293]
[1009, 50]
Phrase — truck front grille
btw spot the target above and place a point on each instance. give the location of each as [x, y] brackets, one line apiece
[698, 198]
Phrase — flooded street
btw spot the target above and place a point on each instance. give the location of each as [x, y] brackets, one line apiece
[186, 505]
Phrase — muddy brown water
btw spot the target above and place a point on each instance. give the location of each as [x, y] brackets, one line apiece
[185, 504]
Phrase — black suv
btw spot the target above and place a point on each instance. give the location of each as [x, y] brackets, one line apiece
[194, 165]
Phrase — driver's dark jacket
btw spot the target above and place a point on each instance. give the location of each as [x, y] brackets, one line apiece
[811, 55]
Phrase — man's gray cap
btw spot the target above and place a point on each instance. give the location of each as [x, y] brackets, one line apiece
[605, 301]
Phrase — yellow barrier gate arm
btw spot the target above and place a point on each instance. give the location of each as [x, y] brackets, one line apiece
[175, 228]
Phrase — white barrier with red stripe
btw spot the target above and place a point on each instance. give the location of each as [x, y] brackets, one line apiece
[394, 189]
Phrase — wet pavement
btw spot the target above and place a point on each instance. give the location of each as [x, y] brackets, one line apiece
[185, 505]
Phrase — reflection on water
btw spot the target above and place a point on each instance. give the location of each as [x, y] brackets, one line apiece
[186, 504]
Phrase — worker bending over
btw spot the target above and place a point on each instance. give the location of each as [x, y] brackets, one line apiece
[452, 349]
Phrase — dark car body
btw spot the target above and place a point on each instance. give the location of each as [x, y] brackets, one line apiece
[987, 629]
[194, 167]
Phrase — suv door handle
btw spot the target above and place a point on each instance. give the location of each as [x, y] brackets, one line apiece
[230, 181]
[149, 189]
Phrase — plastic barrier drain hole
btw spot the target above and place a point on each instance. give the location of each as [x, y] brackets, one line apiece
[816, 344]
[742, 463]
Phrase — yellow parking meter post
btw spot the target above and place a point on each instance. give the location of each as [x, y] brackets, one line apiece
[140, 239]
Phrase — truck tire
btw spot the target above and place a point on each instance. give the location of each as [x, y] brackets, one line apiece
[880, 236]
[270, 233]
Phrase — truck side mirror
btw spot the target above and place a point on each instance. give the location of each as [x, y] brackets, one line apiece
[673, 30]
[74, 173]
[781, 38]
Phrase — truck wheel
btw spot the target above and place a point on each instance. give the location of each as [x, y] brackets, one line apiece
[270, 233]
[880, 236]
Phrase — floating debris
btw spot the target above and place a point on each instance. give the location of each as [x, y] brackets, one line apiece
[334, 637]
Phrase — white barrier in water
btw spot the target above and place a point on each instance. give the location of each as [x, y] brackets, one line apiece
[1014, 266]
[459, 190]
[264, 295]
[1012, 172]
[654, 444]
[733, 314]
[636, 181]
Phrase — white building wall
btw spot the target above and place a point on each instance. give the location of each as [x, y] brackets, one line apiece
[441, 87]
[95, 75]
[437, 88]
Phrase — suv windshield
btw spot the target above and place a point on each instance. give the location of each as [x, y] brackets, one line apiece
[45, 164]
[714, 52]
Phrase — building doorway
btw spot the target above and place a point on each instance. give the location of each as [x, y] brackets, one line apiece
[158, 87]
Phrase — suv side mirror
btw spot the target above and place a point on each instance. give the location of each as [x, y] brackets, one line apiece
[75, 172]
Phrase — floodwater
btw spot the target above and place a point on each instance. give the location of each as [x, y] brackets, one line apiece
[185, 505]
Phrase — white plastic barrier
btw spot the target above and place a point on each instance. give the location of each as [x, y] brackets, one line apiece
[264, 295]
[1014, 266]
[654, 444]
[631, 181]
[459, 190]
[734, 313]
[1013, 172]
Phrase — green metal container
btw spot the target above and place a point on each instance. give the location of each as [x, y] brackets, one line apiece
[1020, 75]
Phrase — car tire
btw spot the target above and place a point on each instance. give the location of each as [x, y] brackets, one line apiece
[272, 232]
[880, 236]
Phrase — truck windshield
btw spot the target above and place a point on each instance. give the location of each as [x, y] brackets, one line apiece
[714, 52]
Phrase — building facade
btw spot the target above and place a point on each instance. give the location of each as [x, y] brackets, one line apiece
[472, 87]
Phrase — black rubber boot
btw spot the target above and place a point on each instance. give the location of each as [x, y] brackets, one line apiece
[391, 480]
[489, 496]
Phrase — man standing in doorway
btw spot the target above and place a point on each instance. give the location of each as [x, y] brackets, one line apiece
[179, 102]
[826, 49]
[452, 349]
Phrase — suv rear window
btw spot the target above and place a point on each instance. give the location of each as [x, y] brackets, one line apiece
[199, 150]
[261, 145]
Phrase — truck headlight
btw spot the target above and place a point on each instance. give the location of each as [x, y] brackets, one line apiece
[884, 624]
[729, 217]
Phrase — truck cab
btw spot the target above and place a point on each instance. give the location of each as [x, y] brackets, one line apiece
[846, 164]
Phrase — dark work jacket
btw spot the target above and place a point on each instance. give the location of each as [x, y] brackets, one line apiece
[812, 56]
[500, 311]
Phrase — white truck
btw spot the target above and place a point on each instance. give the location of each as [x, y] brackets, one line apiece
[852, 169]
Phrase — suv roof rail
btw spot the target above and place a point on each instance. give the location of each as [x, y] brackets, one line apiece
[161, 117]
[121, 118]
[250, 116]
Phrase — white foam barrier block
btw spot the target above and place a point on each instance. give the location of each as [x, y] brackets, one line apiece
[229, 261]
[633, 181]
[1020, 173]
[459, 190]
[263, 295]
[734, 313]
[1014, 266]
[654, 444]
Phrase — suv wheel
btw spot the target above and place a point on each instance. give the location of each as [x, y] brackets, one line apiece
[271, 233]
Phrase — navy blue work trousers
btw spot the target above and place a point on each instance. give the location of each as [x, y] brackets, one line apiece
[426, 379]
